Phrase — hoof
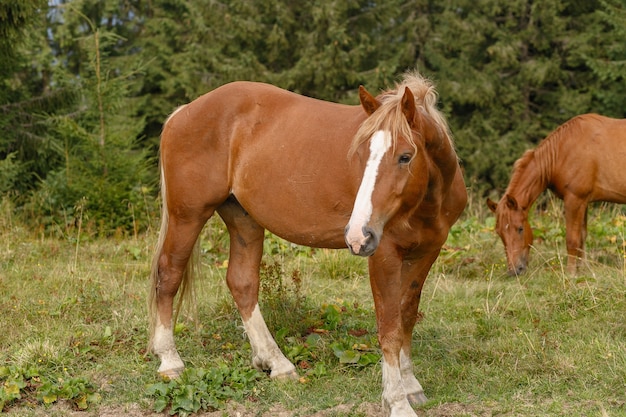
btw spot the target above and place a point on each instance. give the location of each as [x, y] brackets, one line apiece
[174, 373]
[417, 398]
[401, 409]
[278, 368]
[291, 375]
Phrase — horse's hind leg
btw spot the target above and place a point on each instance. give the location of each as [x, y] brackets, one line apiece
[171, 265]
[246, 251]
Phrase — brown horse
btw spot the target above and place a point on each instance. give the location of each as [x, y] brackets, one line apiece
[581, 161]
[381, 178]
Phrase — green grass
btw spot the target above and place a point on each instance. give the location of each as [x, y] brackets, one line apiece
[73, 328]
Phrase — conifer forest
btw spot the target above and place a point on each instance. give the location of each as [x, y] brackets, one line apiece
[86, 85]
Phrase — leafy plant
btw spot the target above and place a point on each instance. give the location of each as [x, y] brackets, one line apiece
[78, 391]
[331, 316]
[355, 354]
[27, 384]
[13, 382]
[204, 389]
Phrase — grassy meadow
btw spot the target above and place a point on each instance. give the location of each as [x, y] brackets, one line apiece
[73, 327]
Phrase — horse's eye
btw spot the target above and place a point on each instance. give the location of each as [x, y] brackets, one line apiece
[404, 159]
[520, 230]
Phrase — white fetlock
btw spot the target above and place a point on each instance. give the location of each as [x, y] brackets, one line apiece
[395, 401]
[266, 356]
[412, 387]
[163, 346]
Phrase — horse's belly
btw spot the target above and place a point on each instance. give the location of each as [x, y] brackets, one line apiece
[331, 239]
[299, 221]
[298, 211]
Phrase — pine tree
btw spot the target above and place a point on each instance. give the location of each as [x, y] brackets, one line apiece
[509, 72]
[25, 147]
[104, 179]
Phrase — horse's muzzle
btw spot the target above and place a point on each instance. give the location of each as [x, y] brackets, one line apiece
[518, 269]
[364, 245]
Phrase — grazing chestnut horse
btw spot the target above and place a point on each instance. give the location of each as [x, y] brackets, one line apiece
[381, 179]
[581, 161]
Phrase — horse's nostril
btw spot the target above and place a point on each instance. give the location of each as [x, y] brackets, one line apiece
[364, 243]
[518, 270]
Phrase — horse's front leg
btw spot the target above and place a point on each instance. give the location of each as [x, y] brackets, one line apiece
[242, 277]
[414, 273]
[396, 287]
[575, 231]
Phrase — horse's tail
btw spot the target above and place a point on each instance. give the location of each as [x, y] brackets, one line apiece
[185, 291]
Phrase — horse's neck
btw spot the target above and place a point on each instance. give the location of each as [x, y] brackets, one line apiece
[530, 181]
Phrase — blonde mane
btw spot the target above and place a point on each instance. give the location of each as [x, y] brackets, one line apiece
[389, 116]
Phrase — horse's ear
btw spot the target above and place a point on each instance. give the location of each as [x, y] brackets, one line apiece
[408, 106]
[511, 202]
[492, 205]
[368, 101]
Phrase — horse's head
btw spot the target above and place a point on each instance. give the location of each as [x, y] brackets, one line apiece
[513, 228]
[396, 175]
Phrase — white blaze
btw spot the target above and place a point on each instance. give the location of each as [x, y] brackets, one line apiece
[362, 210]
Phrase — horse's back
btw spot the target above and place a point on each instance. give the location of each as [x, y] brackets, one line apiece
[243, 109]
[591, 124]
[594, 132]
[591, 152]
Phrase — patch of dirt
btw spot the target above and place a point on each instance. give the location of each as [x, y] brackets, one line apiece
[365, 409]
[236, 410]
[455, 409]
